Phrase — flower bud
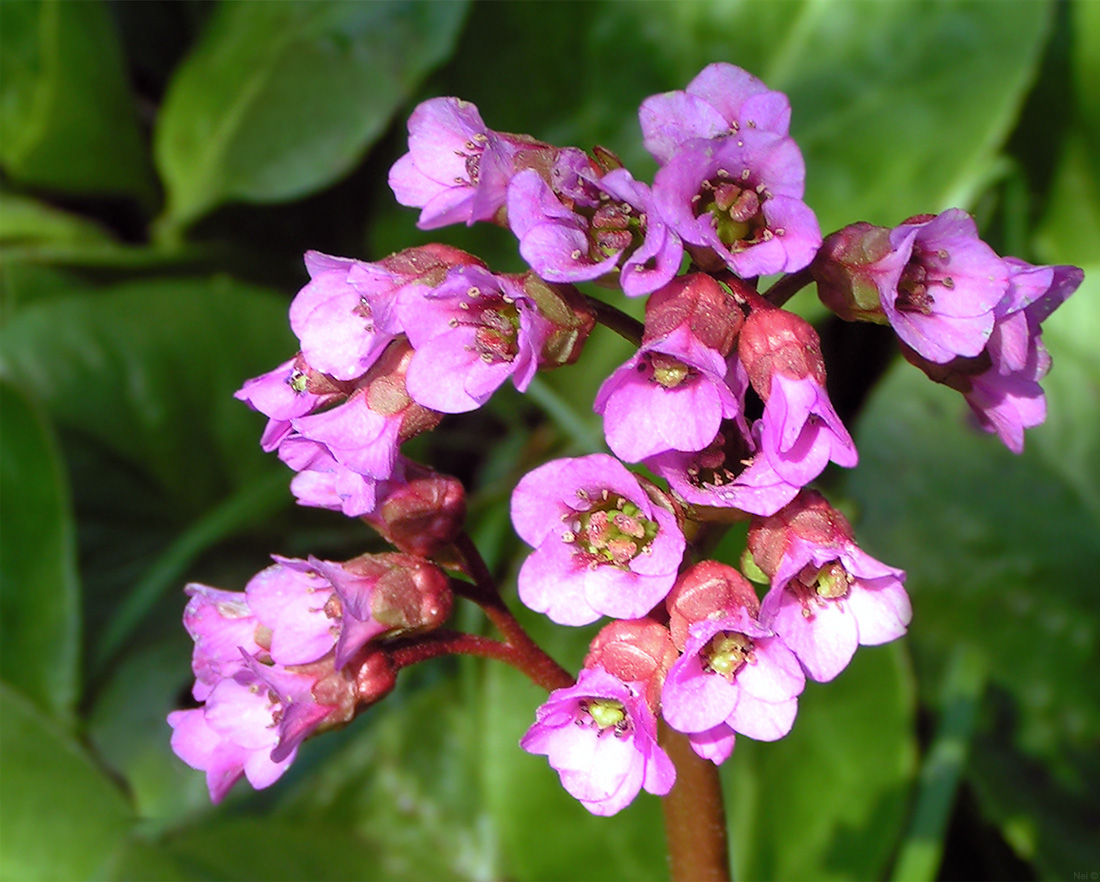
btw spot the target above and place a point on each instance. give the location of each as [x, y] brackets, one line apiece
[634, 650]
[776, 341]
[809, 518]
[423, 514]
[709, 589]
[428, 264]
[567, 312]
[845, 270]
[410, 594]
[709, 312]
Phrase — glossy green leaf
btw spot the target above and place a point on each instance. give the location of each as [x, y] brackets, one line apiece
[39, 585]
[148, 370]
[1002, 557]
[68, 118]
[60, 816]
[280, 99]
[829, 800]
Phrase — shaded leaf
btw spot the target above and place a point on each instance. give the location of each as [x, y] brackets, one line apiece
[279, 99]
[68, 118]
[829, 800]
[39, 584]
[60, 816]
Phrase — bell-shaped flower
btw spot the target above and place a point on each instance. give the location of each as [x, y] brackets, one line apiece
[601, 738]
[221, 623]
[738, 201]
[827, 596]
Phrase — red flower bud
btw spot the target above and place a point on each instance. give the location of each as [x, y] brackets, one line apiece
[711, 314]
[707, 589]
[422, 515]
[635, 650]
[809, 517]
[776, 341]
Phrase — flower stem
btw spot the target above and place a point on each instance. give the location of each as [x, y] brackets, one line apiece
[788, 286]
[619, 322]
[523, 652]
[695, 815]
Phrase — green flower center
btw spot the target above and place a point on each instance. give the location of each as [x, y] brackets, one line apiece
[727, 653]
[614, 531]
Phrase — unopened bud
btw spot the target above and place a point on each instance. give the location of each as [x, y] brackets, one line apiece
[422, 515]
[776, 341]
[636, 650]
[374, 679]
[409, 595]
[845, 270]
[707, 590]
[428, 264]
[697, 301]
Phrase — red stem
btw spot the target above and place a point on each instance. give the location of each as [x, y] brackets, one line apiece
[695, 816]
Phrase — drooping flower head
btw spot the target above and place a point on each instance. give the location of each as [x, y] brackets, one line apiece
[602, 545]
[601, 737]
[800, 431]
[827, 596]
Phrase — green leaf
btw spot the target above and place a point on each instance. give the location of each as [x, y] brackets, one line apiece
[24, 220]
[829, 800]
[1085, 17]
[39, 585]
[148, 370]
[60, 816]
[68, 118]
[280, 99]
[1002, 557]
[227, 849]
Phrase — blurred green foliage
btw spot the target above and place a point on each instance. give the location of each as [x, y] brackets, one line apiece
[164, 166]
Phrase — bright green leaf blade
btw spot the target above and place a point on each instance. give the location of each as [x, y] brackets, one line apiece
[829, 800]
[60, 816]
[24, 220]
[1085, 16]
[39, 585]
[280, 99]
[68, 118]
[149, 369]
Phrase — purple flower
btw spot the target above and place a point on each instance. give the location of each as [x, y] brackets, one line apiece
[335, 315]
[470, 334]
[322, 482]
[456, 170]
[221, 623]
[293, 601]
[601, 738]
[941, 285]
[737, 672]
[602, 547]
[670, 395]
[827, 596]
[723, 99]
[739, 198]
[292, 390]
[251, 725]
[715, 744]
[564, 241]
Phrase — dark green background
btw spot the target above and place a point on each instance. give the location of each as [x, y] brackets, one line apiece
[164, 167]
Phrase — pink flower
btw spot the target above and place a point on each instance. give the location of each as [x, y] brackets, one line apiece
[737, 672]
[292, 390]
[602, 546]
[827, 596]
[601, 738]
[471, 333]
[722, 100]
[221, 623]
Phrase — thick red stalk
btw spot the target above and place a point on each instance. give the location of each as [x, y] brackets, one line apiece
[695, 815]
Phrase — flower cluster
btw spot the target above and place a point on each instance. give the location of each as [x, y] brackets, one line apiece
[724, 402]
